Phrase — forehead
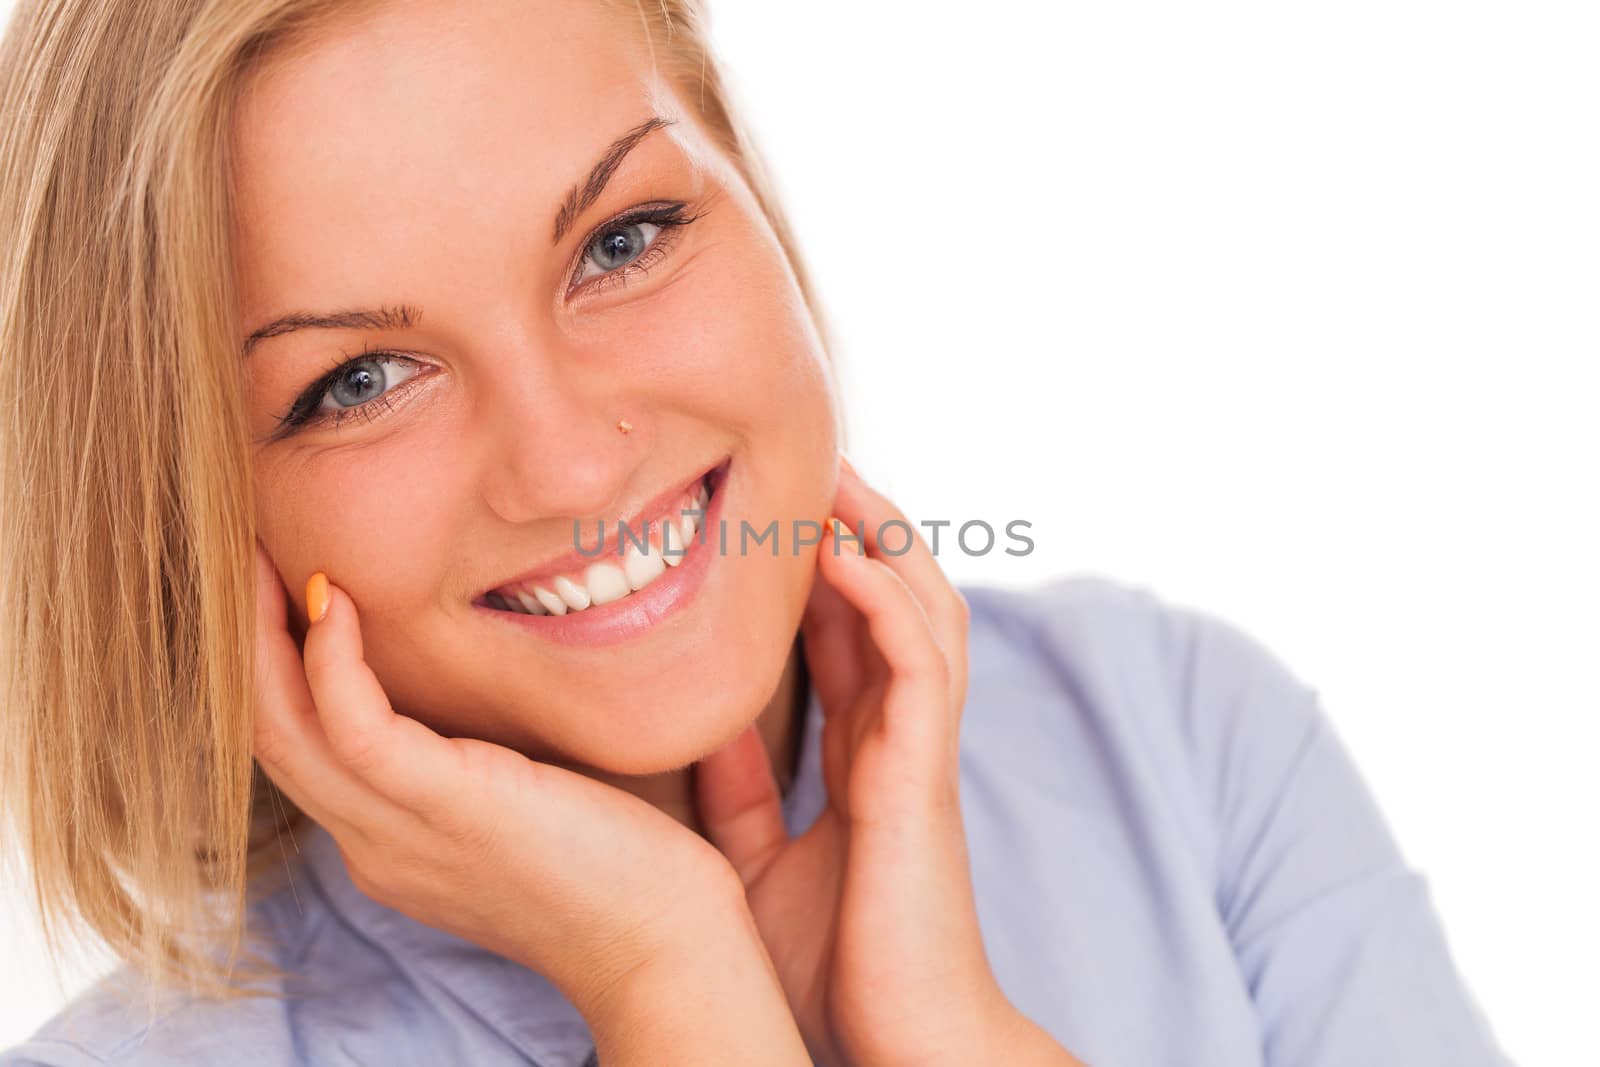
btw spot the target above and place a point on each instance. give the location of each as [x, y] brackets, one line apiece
[430, 125]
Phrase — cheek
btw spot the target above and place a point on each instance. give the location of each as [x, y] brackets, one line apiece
[368, 516]
[746, 365]
[731, 340]
[744, 357]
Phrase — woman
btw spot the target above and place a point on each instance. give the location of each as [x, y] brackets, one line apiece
[514, 799]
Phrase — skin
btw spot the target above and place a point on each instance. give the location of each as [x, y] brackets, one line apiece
[419, 155]
[524, 384]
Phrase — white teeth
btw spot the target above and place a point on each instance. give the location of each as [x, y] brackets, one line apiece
[606, 582]
[529, 604]
[553, 604]
[680, 528]
[572, 594]
[641, 568]
[672, 546]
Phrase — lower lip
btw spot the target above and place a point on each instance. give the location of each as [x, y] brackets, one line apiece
[634, 614]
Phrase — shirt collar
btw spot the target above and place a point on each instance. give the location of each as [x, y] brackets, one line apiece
[519, 1003]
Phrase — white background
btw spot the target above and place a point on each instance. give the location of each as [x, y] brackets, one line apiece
[1286, 312]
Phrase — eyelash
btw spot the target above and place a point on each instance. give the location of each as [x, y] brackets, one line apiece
[669, 217]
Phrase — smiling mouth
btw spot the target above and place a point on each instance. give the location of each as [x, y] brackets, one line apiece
[668, 537]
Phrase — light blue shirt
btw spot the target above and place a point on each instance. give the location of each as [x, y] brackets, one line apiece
[1174, 857]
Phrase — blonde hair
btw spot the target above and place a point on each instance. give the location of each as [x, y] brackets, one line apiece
[127, 535]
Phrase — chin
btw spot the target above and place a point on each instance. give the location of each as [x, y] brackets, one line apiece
[666, 737]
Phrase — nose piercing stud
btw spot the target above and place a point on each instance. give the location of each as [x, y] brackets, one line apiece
[624, 425]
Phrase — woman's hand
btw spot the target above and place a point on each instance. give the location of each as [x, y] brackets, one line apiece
[598, 890]
[869, 915]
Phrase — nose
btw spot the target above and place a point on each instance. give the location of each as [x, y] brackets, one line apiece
[552, 447]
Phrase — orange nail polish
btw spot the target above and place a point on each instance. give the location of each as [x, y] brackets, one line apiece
[317, 596]
[841, 531]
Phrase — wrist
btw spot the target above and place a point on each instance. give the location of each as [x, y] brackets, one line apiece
[1012, 1037]
[706, 992]
[992, 1031]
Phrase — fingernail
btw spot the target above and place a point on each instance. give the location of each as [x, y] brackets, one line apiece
[844, 461]
[845, 533]
[317, 596]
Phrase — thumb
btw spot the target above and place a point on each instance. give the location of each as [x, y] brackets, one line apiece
[739, 804]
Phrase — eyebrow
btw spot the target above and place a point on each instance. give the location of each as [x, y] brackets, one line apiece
[580, 197]
[578, 200]
[397, 318]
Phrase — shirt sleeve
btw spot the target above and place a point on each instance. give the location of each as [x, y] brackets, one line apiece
[1335, 933]
[46, 1052]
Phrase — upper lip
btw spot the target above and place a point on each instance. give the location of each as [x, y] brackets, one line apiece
[569, 562]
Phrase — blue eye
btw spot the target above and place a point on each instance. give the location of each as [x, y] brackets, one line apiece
[629, 245]
[356, 386]
[620, 244]
[361, 380]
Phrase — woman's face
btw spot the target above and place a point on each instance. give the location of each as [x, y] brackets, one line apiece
[421, 159]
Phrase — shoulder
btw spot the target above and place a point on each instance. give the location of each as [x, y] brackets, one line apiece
[1107, 638]
[356, 983]
[116, 1020]
[1068, 616]
[1143, 703]
[110, 1023]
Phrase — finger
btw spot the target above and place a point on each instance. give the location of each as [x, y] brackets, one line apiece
[287, 740]
[831, 631]
[903, 633]
[838, 609]
[877, 519]
[739, 804]
[841, 665]
[397, 756]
